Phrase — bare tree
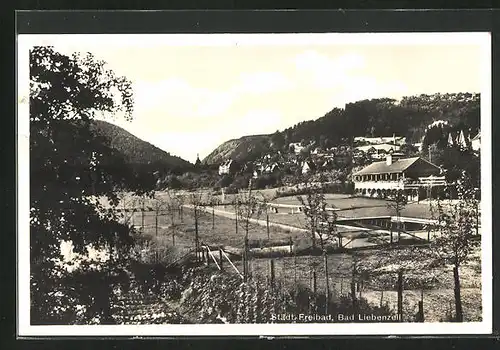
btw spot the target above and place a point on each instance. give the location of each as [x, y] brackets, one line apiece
[128, 206]
[173, 205]
[314, 207]
[195, 200]
[249, 206]
[455, 240]
[396, 206]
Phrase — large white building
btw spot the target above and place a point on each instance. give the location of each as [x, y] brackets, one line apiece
[408, 175]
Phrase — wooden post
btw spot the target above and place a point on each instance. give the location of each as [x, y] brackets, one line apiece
[314, 281]
[272, 272]
[381, 297]
[236, 220]
[220, 259]
[421, 317]
[353, 287]
[208, 257]
[353, 294]
[245, 259]
[143, 213]
[400, 295]
[295, 270]
[420, 311]
[291, 246]
[213, 217]
[156, 224]
[267, 225]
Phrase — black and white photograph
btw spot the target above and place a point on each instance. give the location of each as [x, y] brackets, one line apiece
[254, 184]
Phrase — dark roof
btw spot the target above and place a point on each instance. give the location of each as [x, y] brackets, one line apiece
[477, 137]
[397, 166]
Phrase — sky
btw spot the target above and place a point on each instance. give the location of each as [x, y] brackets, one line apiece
[194, 92]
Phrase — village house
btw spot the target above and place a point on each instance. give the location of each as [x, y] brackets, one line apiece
[386, 147]
[296, 147]
[228, 167]
[412, 176]
[398, 140]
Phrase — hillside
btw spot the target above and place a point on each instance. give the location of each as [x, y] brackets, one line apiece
[136, 151]
[243, 149]
[408, 117]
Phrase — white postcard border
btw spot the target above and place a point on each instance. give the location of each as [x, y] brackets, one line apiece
[141, 40]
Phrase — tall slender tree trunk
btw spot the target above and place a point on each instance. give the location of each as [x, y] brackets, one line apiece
[458, 299]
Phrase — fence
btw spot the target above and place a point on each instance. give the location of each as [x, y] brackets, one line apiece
[415, 295]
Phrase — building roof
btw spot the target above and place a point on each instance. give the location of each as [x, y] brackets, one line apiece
[477, 137]
[397, 166]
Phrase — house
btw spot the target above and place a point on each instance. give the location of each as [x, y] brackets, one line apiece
[386, 147]
[398, 140]
[412, 176]
[476, 142]
[296, 147]
[228, 167]
[307, 167]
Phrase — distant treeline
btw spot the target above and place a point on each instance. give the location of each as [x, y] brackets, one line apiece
[385, 117]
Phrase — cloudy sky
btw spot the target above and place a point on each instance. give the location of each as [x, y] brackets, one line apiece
[194, 92]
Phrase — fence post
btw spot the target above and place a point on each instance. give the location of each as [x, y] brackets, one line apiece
[156, 224]
[143, 213]
[400, 295]
[291, 246]
[208, 257]
[272, 272]
[267, 225]
[213, 217]
[314, 281]
[353, 287]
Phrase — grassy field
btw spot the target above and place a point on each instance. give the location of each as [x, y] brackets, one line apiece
[222, 232]
[351, 207]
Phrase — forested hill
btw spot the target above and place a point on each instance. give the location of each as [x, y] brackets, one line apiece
[139, 152]
[384, 117]
[376, 117]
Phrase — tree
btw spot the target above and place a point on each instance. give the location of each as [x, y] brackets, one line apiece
[314, 206]
[195, 199]
[396, 206]
[71, 169]
[455, 241]
[249, 206]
